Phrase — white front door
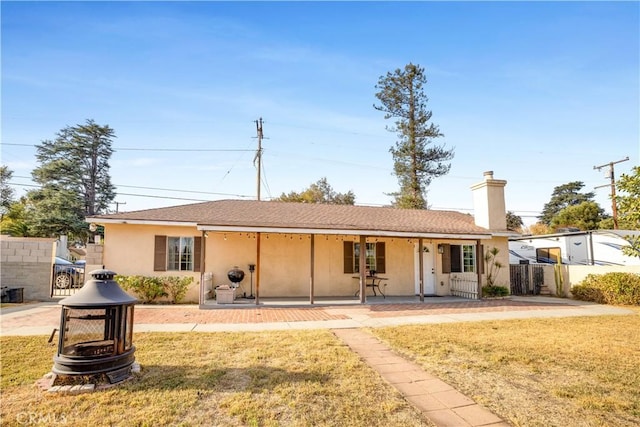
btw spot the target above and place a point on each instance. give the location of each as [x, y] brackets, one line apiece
[428, 268]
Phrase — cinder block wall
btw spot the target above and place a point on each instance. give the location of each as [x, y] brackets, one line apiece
[27, 263]
[94, 258]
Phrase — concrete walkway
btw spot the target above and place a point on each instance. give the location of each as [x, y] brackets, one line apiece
[42, 318]
[438, 401]
[435, 399]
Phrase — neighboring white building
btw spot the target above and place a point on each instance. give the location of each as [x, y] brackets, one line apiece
[598, 247]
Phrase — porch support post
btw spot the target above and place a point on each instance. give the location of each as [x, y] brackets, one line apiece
[479, 260]
[312, 268]
[362, 262]
[203, 248]
[421, 268]
[258, 268]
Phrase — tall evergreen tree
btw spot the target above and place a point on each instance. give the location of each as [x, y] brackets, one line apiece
[417, 158]
[564, 196]
[74, 178]
[78, 161]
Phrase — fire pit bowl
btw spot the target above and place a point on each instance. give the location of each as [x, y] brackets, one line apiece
[96, 330]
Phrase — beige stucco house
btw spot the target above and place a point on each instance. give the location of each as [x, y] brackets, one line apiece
[313, 250]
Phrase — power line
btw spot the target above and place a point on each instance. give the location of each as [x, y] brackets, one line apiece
[152, 149]
[152, 188]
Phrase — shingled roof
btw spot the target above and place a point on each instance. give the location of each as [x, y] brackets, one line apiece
[294, 217]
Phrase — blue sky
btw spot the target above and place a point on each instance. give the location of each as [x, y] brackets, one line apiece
[538, 92]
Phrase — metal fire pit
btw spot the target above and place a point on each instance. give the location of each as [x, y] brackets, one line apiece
[96, 330]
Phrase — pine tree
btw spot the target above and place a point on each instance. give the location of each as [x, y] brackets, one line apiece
[417, 159]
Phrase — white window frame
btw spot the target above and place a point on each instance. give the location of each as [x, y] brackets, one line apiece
[185, 250]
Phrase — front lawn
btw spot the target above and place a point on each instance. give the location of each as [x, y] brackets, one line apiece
[225, 379]
[536, 372]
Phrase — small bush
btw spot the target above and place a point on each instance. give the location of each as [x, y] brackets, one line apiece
[609, 288]
[146, 288]
[494, 291]
[176, 287]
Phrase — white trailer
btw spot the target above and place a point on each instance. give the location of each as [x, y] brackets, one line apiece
[598, 247]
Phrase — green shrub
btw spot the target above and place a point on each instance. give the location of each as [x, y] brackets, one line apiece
[145, 287]
[176, 287]
[609, 288]
[494, 291]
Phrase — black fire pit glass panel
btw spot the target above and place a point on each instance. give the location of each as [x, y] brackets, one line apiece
[89, 333]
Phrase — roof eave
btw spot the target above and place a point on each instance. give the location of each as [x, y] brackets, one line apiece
[347, 232]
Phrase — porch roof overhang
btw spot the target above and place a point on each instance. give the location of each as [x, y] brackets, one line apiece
[292, 230]
[342, 232]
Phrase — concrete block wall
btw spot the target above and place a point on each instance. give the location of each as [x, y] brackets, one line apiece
[94, 259]
[27, 262]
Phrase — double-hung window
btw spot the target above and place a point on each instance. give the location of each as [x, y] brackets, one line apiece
[177, 253]
[374, 257]
[459, 259]
[180, 253]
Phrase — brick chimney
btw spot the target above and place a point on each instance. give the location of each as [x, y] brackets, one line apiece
[488, 203]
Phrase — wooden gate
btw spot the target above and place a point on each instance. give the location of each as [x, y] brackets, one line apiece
[526, 279]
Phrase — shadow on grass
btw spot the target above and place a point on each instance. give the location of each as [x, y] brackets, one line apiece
[252, 379]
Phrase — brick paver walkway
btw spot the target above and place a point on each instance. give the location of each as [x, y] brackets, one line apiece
[50, 315]
[435, 399]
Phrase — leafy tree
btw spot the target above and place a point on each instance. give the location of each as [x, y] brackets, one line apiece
[15, 221]
[319, 192]
[585, 216]
[74, 178]
[514, 222]
[628, 200]
[564, 196]
[539, 228]
[78, 161]
[6, 192]
[54, 211]
[417, 159]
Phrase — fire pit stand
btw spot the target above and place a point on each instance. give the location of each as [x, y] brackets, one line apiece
[96, 330]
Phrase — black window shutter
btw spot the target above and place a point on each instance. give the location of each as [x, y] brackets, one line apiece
[160, 254]
[348, 257]
[456, 261]
[446, 258]
[481, 260]
[197, 251]
[380, 258]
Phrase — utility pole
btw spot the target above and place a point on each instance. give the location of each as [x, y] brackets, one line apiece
[118, 205]
[612, 184]
[258, 156]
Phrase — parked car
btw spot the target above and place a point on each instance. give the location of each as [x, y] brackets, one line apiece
[67, 274]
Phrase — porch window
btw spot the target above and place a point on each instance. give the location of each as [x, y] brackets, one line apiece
[459, 259]
[374, 257]
[177, 253]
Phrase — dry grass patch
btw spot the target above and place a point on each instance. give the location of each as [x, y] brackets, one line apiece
[538, 372]
[226, 379]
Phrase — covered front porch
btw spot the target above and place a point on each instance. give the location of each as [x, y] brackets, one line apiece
[328, 266]
[294, 302]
